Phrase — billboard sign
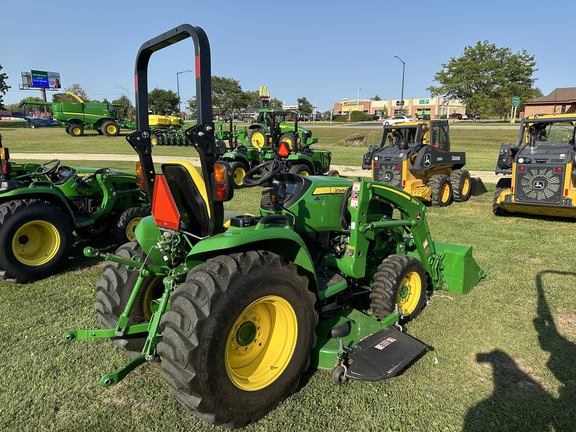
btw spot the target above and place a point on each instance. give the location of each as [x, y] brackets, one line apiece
[45, 79]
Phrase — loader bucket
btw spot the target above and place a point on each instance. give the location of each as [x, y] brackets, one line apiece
[460, 271]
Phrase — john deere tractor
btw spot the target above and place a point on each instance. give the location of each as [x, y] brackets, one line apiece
[80, 116]
[322, 277]
[542, 168]
[42, 205]
[415, 156]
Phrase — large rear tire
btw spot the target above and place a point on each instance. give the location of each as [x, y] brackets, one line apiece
[35, 239]
[440, 190]
[238, 173]
[257, 138]
[113, 291]
[238, 337]
[400, 280]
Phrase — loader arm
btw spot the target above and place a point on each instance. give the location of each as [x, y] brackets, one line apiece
[354, 261]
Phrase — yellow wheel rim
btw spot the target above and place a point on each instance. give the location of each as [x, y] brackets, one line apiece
[111, 129]
[36, 243]
[465, 186]
[445, 195]
[131, 227]
[261, 343]
[258, 139]
[409, 293]
[75, 131]
[304, 173]
[289, 141]
[152, 290]
[154, 140]
[238, 175]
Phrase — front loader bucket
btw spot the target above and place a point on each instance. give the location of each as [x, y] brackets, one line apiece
[460, 271]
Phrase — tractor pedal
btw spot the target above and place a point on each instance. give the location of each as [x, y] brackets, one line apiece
[383, 355]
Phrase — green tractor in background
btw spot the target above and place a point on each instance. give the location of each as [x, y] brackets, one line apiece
[42, 205]
[323, 277]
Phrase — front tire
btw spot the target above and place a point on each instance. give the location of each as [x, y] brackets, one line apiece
[301, 169]
[400, 280]
[127, 222]
[110, 128]
[76, 130]
[35, 239]
[238, 336]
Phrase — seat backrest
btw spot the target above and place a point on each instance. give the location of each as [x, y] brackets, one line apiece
[190, 196]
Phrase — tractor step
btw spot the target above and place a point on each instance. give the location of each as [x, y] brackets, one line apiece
[383, 355]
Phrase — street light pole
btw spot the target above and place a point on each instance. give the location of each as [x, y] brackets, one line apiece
[178, 90]
[402, 94]
[359, 97]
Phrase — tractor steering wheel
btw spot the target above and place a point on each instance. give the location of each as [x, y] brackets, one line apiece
[44, 170]
[269, 169]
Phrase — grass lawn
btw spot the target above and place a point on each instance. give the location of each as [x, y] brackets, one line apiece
[481, 145]
[503, 355]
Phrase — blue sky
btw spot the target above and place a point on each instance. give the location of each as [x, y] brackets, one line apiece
[323, 50]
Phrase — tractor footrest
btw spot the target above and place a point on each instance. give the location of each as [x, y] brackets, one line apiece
[383, 355]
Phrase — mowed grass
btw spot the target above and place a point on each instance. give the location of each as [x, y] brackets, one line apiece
[502, 356]
[347, 143]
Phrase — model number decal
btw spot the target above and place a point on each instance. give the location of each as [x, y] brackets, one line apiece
[385, 343]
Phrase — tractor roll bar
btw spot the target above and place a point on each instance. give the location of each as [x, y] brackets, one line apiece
[141, 140]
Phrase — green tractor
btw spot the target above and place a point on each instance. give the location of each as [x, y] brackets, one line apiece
[323, 277]
[41, 205]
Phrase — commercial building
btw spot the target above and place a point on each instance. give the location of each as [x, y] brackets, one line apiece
[561, 100]
[433, 107]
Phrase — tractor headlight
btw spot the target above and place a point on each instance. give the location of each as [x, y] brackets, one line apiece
[520, 160]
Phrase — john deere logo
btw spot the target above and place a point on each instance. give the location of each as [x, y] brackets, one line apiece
[427, 160]
[538, 184]
[387, 176]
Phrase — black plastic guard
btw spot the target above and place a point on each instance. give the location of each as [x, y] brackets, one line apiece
[383, 355]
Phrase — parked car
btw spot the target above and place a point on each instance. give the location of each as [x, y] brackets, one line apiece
[456, 116]
[397, 118]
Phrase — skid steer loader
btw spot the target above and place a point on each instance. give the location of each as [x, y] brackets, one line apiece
[323, 277]
[541, 165]
[415, 156]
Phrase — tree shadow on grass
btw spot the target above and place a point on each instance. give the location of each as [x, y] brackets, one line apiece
[518, 401]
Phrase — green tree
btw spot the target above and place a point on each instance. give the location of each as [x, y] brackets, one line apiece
[3, 87]
[74, 88]
[227, 95]
[304, 106]
[163, 102]
[376, 98]
[486, 78]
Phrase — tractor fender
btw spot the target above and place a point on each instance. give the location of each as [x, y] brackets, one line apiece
[236, 157]
[47, 194]
[282, 241]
